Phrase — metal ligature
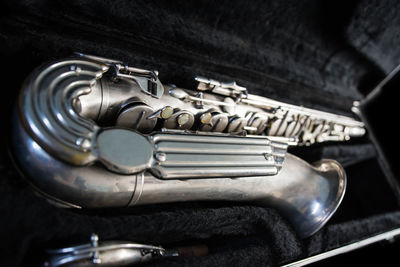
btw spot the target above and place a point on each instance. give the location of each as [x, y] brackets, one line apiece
[92, 132]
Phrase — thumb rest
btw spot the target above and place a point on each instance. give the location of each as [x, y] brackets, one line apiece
[92, 132]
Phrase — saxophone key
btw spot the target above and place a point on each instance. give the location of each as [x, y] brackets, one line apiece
[236, 124]
[260, 124]
[137, 116]
[181, 119]
[217, 123]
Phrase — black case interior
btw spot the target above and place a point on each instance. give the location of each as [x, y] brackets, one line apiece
[313, 53]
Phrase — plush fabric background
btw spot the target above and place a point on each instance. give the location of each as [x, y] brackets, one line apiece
[312, 53]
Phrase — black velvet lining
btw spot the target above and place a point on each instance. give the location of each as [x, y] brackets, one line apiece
[306, 53]
[374, 30]
[285, 43]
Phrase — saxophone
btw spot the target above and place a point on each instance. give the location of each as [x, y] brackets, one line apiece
[92, 132]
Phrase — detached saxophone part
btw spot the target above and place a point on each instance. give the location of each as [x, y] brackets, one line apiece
[108, 253]
[92, 132]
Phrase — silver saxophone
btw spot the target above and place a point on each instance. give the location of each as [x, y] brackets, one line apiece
[92, 132]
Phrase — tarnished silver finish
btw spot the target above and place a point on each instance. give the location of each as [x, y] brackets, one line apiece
[107, 253]
[175, 145]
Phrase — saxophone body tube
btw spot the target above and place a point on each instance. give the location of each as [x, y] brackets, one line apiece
[307, 195]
